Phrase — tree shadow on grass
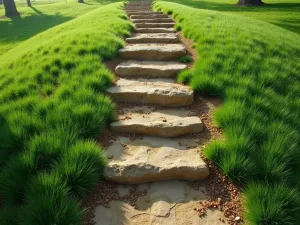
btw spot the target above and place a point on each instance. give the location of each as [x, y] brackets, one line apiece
[36, 10]
[285, 7]
[19, 29]
[285, 14]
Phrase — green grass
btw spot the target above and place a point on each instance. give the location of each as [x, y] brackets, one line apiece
[283, 13]
[40, 17]
[255, 67]
[52, 106]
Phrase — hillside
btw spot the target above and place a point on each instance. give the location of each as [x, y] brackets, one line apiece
[254, 66]
[38, 18]
[51, 108]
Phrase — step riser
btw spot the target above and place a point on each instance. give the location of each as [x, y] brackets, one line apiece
[179, 174]
[155, 30]
[146, 98]
[172, 131]
[149, 69]
[152, 55]
[154, 25]
[123, 72]
[149, 16]
[153, 40]
[138, 13]
[157, 20]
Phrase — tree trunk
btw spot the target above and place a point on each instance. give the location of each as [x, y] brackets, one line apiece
[10, 8]
[28, 3]
[250, 2]
[80, 1]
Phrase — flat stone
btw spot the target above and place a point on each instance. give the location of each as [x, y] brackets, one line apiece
[153, 159]
[152, 20]
[155, 25]
[153, 51]
[155, 30]
[153, 16]
[166, 203]
[160, 124]
[154, 38]
[152, 91]
[149, 68]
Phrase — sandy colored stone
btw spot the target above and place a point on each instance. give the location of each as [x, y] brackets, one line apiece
[158, 124]
[154, 91]
[155, 30]
[148, 16]
[155, 25]
[154, 52]
[120, 213]
[153, 38]
[153, 20]
[152, 159]
[166, 203]
[149, 68]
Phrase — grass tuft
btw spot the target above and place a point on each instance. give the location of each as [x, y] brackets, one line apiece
[185, 59]
[81, 167]
[47, 203]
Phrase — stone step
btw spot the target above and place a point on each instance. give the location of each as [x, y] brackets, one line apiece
[151, 159]
[153, 51]
[154, 30]
[154, 38]
[154, 25]
[149, 68]
[159, 123]
[149, 16]
[153, 20]
[163, 92]
[138, 12]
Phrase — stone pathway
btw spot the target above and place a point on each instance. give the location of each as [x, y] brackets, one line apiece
[162, 149]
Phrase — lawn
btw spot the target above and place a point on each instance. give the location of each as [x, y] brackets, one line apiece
[52, 106]
[283, 13]
[255, 67]
[40, 17]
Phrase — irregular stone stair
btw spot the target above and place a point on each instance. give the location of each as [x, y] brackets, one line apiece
[153, 159]
[149, 68]
[153, 51]
[154, 38]
[163, 92]
[158, 124]
[155, 25]
[154, 20]
[164, 153]
[155, 30]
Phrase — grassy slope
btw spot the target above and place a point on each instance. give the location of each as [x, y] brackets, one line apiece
[283, 13]
[255, 67]
[51, 107]
[38, 18]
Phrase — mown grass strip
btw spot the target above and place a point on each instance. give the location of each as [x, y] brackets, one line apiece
[41, 16]
[52, 106]
[255, 67]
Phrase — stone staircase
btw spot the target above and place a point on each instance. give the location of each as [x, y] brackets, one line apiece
[153, 106]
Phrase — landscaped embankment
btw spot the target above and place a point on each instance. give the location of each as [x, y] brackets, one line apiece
[52, 107]
[255, 67]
